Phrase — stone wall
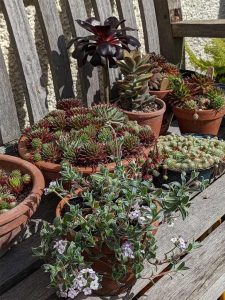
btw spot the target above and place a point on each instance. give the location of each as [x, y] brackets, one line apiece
[192, 9]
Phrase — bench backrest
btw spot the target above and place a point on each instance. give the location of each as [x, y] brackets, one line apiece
[157, 36]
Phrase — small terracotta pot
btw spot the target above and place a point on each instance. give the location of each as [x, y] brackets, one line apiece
[51, 170]
[153, 119]
[103, 265]
[160, 94]
[14, 220]
[208, 121]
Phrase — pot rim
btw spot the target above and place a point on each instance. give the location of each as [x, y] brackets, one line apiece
[177, 108]
[35, 194]
[55, 168]
[151, 113]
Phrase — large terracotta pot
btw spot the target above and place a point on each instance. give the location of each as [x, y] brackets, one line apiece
[14, 220]
[103, 265]
[153, 119]
[51, 170]
[160, 94]
[208, 121]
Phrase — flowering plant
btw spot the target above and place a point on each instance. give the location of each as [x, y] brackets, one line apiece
[104, 234]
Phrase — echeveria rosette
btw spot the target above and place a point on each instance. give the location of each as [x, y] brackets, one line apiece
[106, 44]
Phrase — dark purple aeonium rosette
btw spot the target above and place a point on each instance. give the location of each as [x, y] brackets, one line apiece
[106, 44]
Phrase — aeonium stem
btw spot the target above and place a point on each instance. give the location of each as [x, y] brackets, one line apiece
[106, 82]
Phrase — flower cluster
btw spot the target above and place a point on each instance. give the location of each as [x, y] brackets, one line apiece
[180, 243]
[86, 281]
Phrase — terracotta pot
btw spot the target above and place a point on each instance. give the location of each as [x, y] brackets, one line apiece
[51, 170]
[160, 94]
[153, 119]
[208, 121]
[103, 265]
[14, 220]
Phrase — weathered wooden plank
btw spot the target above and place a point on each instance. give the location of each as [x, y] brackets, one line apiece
[126, 12]
[170, 47]
[150, 27]
[27, 56]
[103, 10]
[9, 124]
[206, 209]
[206, 277]
[56, 47]
[201, 28]
[87, 74]
[18, 262]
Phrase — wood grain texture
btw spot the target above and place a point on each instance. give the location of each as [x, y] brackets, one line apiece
[103, 10]
[9, 124]
[88, 75]
[201, 28]
[206, 277]
[56, 47]
[150, 27]
[170, 47]
[126, 12]
[28, 58]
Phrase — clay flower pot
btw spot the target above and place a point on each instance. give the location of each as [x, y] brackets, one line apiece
[103, 265]
[153, 119]
[205, 122]
[14, 220]
[51, 170]
[160, 94]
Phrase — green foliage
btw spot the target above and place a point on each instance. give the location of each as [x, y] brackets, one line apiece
[82, 136]
[117, 215]
[217, 99]
[186, 153]
[216, 51]
[11, 185]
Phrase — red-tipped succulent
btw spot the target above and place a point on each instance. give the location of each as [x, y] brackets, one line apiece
[106, 44]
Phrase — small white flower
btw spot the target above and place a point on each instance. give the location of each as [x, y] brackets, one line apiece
[52, 184]
[87, 291]
[141, 220]
[135, 214]
[182, 243]
[63, 295]
[174, 240]
[94, 285]
[72, 293]
[46, 191]
[60, 246]
[127, 249]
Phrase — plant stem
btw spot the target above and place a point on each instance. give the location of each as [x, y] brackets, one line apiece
[106, 82]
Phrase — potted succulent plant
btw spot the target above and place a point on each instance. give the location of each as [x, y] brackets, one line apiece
[161, 69]
[21, 187]
[135, 99]
[85, 137]
[105, 46]
[177, 154]
[198, 105]
[100, 239]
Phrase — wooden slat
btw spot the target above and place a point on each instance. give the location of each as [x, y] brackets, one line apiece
[9, 124]
[56, 47]
[201, 28]
[206, 209]
[27, 56]
[204, 280]
[170, 47]
[150, 27]
[87, 74]
[103, 10]
[126, 11]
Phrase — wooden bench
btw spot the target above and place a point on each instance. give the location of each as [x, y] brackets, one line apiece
[163, 31]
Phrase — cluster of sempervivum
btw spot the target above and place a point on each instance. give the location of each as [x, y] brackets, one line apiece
[160, 68]
[11, 185]
[86, 136]
[187, 153]
[197, 93]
